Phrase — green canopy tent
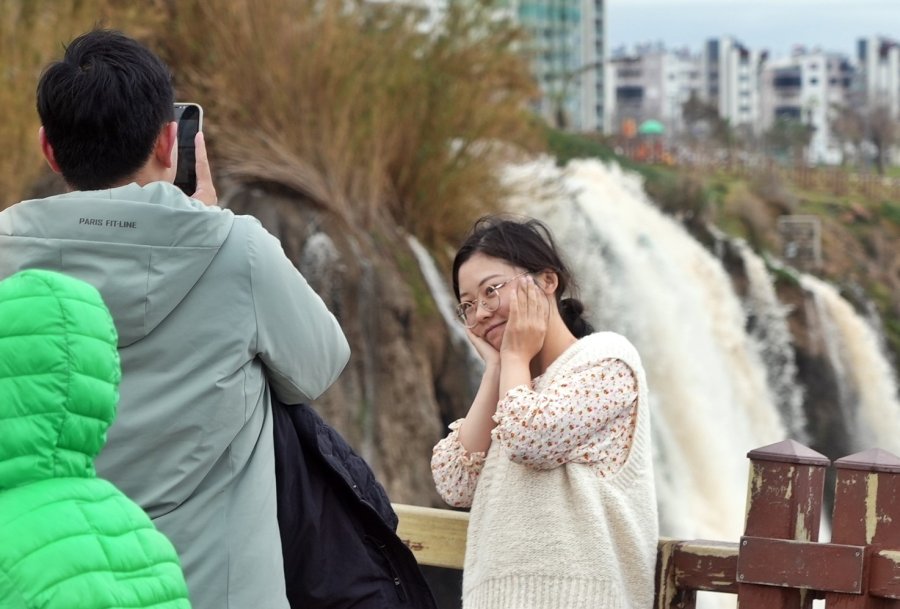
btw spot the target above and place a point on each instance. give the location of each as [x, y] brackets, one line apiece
[651, 127]
[651, 134]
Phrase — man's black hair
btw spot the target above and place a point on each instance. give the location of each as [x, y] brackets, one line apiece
[103, 106]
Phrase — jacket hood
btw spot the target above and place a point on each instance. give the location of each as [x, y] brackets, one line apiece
[59, 377]
[143, 247]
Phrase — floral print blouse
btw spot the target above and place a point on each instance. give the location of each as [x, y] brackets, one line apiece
[587, 417]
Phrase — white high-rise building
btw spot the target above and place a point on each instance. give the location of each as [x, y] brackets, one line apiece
[809, 88]
[879, 71]
[731, 79]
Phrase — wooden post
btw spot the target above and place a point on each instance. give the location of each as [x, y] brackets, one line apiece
[784, 501]
[867, 513]
[668, 594]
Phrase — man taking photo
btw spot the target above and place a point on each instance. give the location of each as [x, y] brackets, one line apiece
[212, 317]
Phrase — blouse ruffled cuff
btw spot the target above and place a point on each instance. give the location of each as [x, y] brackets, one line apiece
[455, 451]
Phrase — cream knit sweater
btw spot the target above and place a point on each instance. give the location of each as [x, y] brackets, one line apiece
[566, 538]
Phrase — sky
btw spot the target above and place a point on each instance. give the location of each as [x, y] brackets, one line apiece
[776, 25]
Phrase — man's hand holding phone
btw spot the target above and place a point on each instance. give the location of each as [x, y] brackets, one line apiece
[193, 175]
[206, 191]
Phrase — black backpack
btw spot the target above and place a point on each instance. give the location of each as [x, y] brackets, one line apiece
[338, 529]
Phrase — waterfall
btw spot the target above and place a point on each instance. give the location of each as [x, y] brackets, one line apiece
[721, 367]
[768, 328]
[641, 274]
[446, 305]
[867, 386]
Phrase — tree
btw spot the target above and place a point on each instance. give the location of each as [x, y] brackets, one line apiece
[704, 123]
[790, 138]
[882, 131]
[560, 94]
[700, 117]
[848, 128]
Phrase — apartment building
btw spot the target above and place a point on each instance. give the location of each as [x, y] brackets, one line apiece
[879, 73]
[591, 80]
[752, 90]
[808, 87]
[730, 74]
[568, 50]
[652, 83]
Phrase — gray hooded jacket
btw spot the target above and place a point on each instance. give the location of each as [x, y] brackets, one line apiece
[211, 316]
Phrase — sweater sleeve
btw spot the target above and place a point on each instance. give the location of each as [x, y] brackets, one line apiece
[584, 416]
[455, 470]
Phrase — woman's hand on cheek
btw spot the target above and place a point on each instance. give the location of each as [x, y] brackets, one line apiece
[526, 324]
[484, 348]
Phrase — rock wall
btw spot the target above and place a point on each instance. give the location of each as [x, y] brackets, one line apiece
[385, 401]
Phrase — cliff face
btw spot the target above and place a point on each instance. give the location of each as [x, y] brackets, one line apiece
[385, 401]
[858, 257]
[407, 379]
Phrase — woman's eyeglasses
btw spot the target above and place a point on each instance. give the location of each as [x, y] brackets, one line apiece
[467, 311]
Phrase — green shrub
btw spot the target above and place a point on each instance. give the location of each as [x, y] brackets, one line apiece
[890, 210]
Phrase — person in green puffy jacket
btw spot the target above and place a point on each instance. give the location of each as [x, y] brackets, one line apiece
[68, 540]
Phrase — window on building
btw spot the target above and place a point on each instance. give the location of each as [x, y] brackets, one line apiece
[629, 93]
[788, 113]
[786, 81]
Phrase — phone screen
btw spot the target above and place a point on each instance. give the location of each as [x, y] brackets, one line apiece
[190, 121]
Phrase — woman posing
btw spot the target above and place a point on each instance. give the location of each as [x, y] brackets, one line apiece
[554, 455]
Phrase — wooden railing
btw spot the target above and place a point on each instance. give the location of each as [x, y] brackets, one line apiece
[778, 562]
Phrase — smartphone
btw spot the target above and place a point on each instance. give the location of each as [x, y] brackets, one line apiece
[189, 117]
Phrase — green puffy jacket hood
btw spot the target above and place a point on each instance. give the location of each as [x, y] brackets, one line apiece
[59, 377]
[68, 539]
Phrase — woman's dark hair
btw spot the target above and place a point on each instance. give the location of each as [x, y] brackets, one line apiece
[103, 106]
[525, 243]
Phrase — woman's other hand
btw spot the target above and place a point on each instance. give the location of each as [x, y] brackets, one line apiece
[526, 326]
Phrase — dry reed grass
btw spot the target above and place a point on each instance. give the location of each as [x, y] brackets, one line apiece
[351, 103]
[355, 106]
